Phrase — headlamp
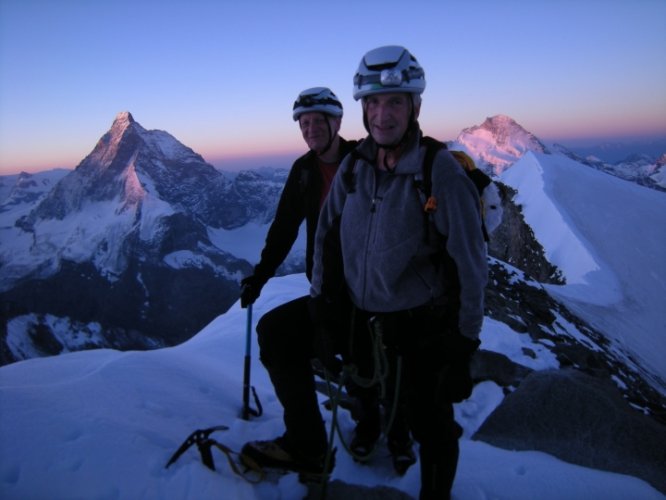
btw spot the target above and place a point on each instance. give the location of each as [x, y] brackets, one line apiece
[309, 101]
[390, 77]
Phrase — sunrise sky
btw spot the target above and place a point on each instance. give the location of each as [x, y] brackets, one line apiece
[222, 76]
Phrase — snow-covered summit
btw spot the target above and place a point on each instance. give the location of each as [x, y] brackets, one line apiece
[498, 143]
[124, 190]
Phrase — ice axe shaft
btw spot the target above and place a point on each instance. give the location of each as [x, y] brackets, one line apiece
[247, 411]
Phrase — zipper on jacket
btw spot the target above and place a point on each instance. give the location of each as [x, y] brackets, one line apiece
[370, 232]
[375, 202]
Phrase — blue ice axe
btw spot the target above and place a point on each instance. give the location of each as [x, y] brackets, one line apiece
[247, 411]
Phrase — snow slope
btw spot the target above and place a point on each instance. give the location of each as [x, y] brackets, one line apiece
[608, 237]
[102, 424]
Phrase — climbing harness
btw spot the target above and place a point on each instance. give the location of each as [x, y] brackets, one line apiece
[379, 377]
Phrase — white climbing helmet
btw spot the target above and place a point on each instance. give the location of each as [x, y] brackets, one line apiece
[317, 99]
[388, 69]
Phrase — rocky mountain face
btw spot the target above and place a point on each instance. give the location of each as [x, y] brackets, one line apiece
[514, 242]
[594, 410]
[116, 253]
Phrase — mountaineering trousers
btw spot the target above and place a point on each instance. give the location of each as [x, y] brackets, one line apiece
[285, 349]
[419, 337]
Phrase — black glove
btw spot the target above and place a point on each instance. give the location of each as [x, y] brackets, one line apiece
[458, 348]
[455, 381]
[325, 349]
[250, 290]
[326, 317]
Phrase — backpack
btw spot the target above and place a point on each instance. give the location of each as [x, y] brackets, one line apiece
[491, 208]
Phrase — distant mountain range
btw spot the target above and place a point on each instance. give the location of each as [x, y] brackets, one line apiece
[125, 250]
[618, 151]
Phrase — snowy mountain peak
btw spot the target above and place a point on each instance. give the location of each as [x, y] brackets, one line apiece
[121, 123]
[499, 142]
[124, 117]
[124, 130]
[127, 164]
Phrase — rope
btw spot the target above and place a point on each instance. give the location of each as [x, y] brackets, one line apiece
[379, 376]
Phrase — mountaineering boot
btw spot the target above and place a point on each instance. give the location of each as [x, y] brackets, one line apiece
[436, 481]
[438, 470]
[365, 437]
[402, 455]
[277, 454]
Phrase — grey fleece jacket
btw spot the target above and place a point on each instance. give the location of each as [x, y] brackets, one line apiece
[388, 265]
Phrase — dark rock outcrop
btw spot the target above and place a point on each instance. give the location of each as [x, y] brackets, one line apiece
[580, 419]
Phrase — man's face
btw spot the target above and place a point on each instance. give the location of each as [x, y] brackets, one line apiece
[388, 116]
[316, 132]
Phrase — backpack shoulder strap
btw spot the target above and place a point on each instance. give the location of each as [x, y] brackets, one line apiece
[349, 171]
[432, 148]
[480, 179]
[423, 180]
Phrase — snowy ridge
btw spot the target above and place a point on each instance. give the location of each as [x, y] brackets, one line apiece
[616, 271]
[564, 248]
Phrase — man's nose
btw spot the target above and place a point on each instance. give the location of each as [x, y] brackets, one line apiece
[382, 111]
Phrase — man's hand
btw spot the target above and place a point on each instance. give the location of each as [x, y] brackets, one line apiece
[250, 290]
[326, 351]
[455, 383]
[459, 348]
[326, 317]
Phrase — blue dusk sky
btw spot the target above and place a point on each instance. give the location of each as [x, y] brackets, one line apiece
[221, 76]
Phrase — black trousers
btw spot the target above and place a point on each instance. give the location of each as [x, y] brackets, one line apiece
[285, 347]
[416, 338]
[286, 336]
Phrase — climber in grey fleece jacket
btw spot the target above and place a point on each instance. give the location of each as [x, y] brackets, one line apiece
[388, 266]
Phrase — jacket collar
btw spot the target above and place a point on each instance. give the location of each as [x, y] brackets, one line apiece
[409, 159]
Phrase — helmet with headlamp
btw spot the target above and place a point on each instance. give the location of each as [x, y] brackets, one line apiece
[317, 100]
[388, 69]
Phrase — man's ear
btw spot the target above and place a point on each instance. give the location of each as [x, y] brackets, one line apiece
[417, 110]
[336, 123]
